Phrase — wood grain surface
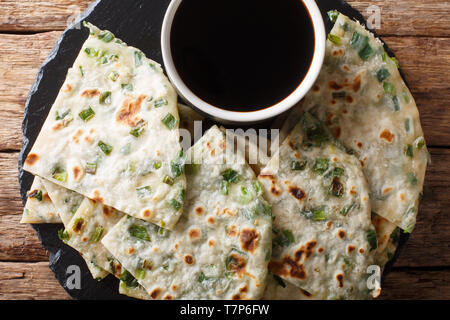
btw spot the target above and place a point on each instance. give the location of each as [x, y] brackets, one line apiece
[417, 31]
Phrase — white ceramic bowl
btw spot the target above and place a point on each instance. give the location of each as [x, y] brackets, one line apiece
[226, 116]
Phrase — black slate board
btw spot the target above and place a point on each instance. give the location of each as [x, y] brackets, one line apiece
[138, 23]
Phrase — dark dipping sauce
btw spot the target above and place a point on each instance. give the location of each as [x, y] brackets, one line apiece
[242, 55]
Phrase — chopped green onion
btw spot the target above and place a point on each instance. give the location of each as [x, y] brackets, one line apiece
[107, 149]
[263, 209]
[395, 62]
[407, 125]
[257, 186]
[161, 102]
[225, 187]
[321, 166]
[192, 168]
[366, 53]
[105, 98]
[396, 103]
[419, 143]
[140, 273]
[127, 86]
[87, 114]
[157, 165]
[334, 39]
[61, 116]
[333, 15]
[139, 232]
[410, 151]
[230, 175]
[170, 121]
[389, 88]
[383, 74]
[337, 172]
[406, 98]
[91, 168]
[139, 129]
[60, 175]
[319, 214]
[345, 211]
[63, 235]
[36, 194]
[113, 76]
[412, 179]
[175, 204]
[168, 180]
[91, 52]
[299, 165]
[285, 238]
[177, 165]
[97, 235]
[106, 36]
[372, 239]
[81, 71]
[360, 43]
[138, 58]
[129, 280]
[143, 192]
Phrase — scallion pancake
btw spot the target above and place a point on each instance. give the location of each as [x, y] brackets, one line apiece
[112, 133]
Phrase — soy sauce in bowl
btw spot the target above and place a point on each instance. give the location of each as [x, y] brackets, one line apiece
[242, 55]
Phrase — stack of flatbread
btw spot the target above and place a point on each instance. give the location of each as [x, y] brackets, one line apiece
[197, 223]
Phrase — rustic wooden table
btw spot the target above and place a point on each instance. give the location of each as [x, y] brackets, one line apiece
[416, 30]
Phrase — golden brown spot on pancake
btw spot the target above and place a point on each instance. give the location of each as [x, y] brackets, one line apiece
[335, 86]
[90, 93]
[350, 249]
[320, 250]
[337, 132]
[333, 102]
[361, 251]
[130, 108]
[208, 145]
[309, 248]
[68, 87]
[345, 111]
[298, 254]
[297, 193]
[147, 213]
[236, 297]
[316, 88]
[341, 234]
[359, 144]
[244, 289]
[46, 197]
[291, 144]
[337, 53]
[237, 264]
[189, 259]
[77, 172]
[168, 297]
[131, 250]
[97, 197]
[249, 239]
[387, 190]
[387, 135]
[32, 159]
[211, 220]
[174, 287]
[88, 139]
[297, 155]
[199, 211]
[155, 293]
[349, 99]
[340, 279]
[158, 153]
[177, 246]
[107, 211]
[194, 234]
[58, 126]
[223, 145]
[84, 239]
[288, 267]
[329, 224]
[232, 231]
[270, 177]
[275, 191]
[211, 243]
[330, 117]
[357, 83]
[346, 68]
[353, 192]
[78, 226]
[77, 135]
[402, 196]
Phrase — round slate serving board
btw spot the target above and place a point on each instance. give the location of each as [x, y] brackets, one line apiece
[138, 23]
